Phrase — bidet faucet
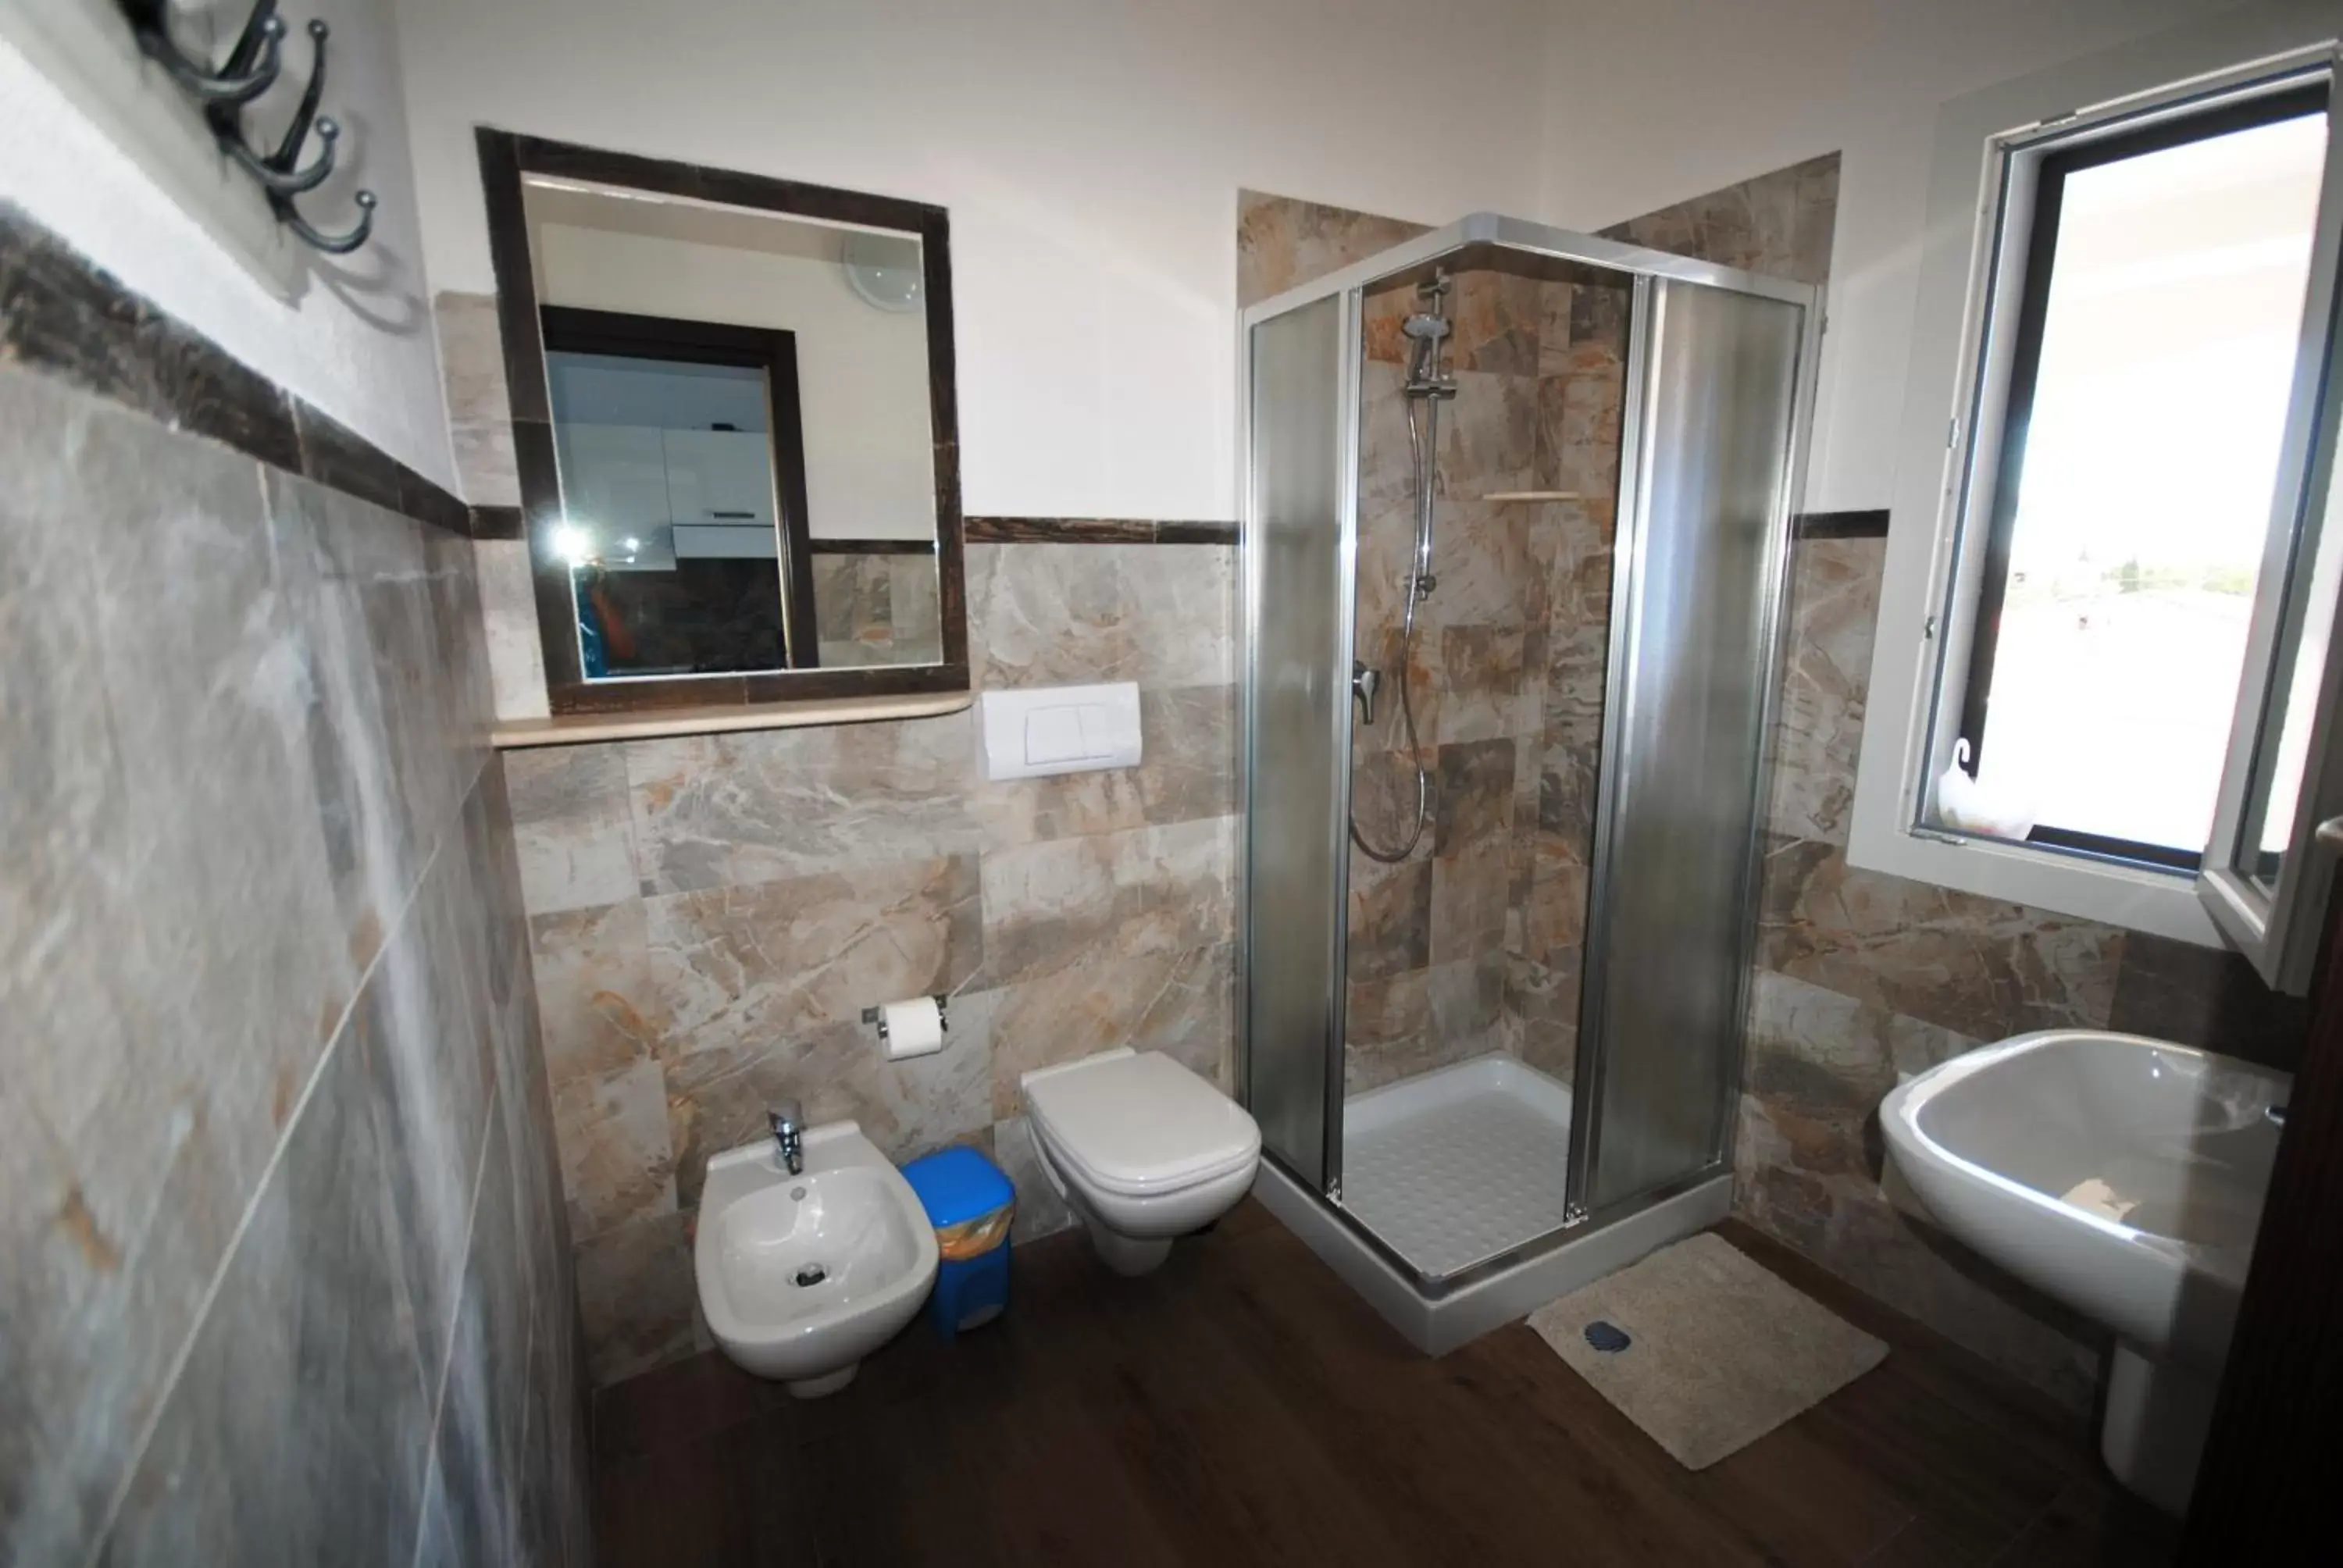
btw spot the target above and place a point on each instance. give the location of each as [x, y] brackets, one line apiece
[787, 1119]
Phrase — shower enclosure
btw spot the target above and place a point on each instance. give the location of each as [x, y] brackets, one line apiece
[1503, 793]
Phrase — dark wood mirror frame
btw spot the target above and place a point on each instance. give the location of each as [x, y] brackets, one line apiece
[505, 159]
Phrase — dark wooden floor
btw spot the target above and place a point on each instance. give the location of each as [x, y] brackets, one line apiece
[1241, 1405]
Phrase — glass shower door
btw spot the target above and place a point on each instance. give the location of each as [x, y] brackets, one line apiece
[1299, 374]
[1697, 588]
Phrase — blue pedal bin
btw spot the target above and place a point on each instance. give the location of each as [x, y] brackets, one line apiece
[971, 1203]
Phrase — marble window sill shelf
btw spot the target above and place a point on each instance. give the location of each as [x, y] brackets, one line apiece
[578, 729]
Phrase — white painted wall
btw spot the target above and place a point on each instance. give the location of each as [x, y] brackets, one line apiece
[356, 340]
[1090, 151]
[1653, 101]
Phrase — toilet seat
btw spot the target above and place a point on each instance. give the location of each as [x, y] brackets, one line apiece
[1139, 1124]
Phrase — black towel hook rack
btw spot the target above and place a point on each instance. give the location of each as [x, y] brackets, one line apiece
[251, 69]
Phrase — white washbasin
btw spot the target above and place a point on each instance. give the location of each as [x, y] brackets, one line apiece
[801, 1276]
[2122, 1176]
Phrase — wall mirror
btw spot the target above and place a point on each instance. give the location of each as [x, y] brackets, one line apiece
[733, 421]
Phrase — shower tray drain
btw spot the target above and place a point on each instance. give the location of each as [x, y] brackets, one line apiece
[812, 1274]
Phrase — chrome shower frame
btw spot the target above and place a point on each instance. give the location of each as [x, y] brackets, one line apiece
[1313, 1201]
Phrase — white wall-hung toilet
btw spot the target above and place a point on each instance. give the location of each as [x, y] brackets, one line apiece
[1142, 1150]
[2120, 1175]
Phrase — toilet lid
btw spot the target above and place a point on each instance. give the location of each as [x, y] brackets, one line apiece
[1136, 1123]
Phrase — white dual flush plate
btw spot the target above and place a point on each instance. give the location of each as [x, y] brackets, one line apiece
[1034, 731]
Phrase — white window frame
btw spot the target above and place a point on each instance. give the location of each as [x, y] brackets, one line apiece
[1980, 190]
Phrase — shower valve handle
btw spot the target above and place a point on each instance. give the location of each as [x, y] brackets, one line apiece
[1365, 684]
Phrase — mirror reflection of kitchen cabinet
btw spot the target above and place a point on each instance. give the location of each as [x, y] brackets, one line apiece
[616, 477]
[719, 476]
[681, 463]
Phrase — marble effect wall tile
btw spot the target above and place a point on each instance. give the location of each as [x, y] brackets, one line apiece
[717, 1099]
[516, 651]
[1809, 1162]
[1483, 555]
[261, 951]
[1062, 614]
[155, 1050]
[1172, 999]
[1472, 893]
[1483, 696]
[1390, 916]
[1181, 603]
[734, 810]
[1386, 456]
[916, 598]
[480, 409]
[1780, 223]
[616, 1161]
[1054, 905]
[1041, 1211]
[1283, 243]
[433, 1076]
[2208, 998]
[1507, 675]
[1488, 434]
[1818, 735]
[593, 980]
[1543, 994]
[574, 826]
[474, 1497]
[636, 1296]
[1987, 969]
[1423, 1019]
[307, 1366]
[780, 882]
[1475, 809]
[1496, 322]
[738, 967]
[1047, 615]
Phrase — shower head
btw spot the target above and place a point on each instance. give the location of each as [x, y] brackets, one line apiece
[1422, 327]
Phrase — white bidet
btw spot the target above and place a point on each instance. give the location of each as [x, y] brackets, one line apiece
[803, 1275]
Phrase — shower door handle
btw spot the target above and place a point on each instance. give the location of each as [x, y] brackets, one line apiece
[1365, 684]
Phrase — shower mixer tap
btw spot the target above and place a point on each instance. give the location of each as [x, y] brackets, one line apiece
[1364, 683]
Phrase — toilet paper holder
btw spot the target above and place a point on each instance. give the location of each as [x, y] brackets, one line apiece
[943, 1016]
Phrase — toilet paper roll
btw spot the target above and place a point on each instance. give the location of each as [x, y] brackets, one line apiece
[913, 1027]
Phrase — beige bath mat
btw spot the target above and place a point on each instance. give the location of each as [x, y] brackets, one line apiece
[1706, 1351]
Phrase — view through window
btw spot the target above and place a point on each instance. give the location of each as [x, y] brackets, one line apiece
[2156, 337]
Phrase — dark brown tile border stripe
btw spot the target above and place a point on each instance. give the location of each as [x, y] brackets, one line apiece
[1146, 531]
[1840, 524]
[499, 523]
[871, 547]
[63, 316]
[1097, 531]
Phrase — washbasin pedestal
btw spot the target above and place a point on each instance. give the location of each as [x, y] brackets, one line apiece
[2124, 1177]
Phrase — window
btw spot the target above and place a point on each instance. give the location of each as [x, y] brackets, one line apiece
[2112, 578]
[2156, 330]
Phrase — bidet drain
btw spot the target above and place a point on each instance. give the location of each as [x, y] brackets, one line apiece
[812, 1274]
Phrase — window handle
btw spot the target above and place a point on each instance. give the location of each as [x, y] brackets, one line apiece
[2329, 834]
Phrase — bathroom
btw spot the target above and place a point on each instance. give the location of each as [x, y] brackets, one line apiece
[386, 965]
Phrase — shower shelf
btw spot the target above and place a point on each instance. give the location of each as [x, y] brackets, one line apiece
[1534, 495]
